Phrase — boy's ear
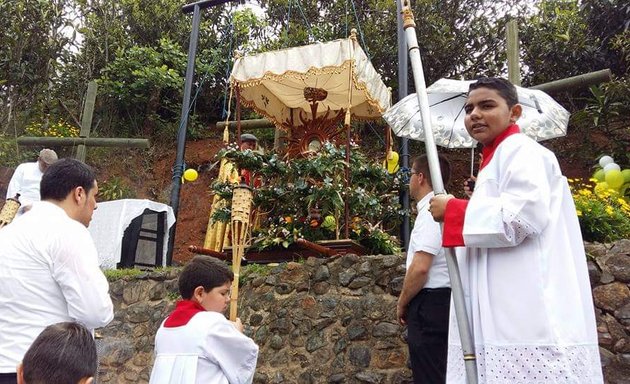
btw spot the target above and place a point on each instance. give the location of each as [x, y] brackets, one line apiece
[20, 374]
[86, 380]
[515, 112]
[198, 292]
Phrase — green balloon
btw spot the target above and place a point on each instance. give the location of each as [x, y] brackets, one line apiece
[626, 175]
[599, 175]
[614, 178]
[329, 223]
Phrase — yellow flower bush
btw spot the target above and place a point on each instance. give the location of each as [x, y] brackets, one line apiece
[604, 214]
[59, 128]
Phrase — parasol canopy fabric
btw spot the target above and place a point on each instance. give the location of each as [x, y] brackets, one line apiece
[543, 118]
[283, 85]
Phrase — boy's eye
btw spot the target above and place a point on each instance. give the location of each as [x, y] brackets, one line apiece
[468, 109]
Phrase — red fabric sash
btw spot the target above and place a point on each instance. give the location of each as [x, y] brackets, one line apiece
[184, 311]
[488, 151]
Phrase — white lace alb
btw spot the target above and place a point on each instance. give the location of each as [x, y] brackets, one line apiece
[579, 364]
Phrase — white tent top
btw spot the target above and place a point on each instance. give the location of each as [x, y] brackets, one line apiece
[274, 83]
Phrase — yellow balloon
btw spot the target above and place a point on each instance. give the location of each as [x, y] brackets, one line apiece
[614, 178]
[190, 175]
[391, 163]
[599, 175]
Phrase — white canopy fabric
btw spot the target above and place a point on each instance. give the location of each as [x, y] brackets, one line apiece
[273, 83]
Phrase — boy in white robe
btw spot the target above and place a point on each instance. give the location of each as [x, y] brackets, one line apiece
[524, 268]
[196, 343]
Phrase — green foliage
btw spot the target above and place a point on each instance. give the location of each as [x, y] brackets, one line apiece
[11, 156]
[251, 271]
[604, 214]
[114, 188]
[304, 198]
[605, 113]
[567, 38]
[222, 214]
[556, 42]
[173, 296]
[455, 37]
[33, 48]
[126, 273]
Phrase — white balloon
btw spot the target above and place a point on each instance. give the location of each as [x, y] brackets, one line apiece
[610, 166]
[605, 160]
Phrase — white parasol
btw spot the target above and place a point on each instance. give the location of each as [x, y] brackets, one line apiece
[543, 118]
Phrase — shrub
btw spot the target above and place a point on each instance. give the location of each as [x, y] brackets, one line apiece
[114, 189]
[304, 197]
[604, 214]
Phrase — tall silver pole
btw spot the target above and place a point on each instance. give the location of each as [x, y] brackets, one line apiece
[403, 90]
[468, 346]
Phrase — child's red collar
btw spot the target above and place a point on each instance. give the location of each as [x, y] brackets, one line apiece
[184, 311]
[488, 150]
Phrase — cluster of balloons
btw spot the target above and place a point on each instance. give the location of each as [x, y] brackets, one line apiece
[610, 176]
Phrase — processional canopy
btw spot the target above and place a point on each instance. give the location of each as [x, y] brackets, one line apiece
[313, 82]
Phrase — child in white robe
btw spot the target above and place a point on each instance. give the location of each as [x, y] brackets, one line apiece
[524, 271]
[196, 343]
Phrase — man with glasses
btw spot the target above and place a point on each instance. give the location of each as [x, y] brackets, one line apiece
[423, 304]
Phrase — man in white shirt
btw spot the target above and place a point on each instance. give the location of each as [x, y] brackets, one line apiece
[26, 179]
[49, 269]
[423, 304]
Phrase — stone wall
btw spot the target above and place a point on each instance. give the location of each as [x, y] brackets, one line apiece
[609, 270]
[333, 320]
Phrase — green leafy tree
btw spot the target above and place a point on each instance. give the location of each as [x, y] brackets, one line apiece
[34, 44]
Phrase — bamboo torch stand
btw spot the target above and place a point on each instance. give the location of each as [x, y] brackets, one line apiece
[9, 210]
[241, 208]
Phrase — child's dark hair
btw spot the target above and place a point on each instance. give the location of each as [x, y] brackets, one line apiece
[204, 271]
[502, 86]
[63, 353]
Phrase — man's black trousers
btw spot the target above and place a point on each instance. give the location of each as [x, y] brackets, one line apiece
[427, 322]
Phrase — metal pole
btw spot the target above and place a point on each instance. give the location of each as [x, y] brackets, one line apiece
[468, 347]
[183, 123]
[403, 90]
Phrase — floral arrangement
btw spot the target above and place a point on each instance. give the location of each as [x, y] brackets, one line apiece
[304, 198]
[601, 205]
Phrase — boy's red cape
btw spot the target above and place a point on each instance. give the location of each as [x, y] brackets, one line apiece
[184, 311]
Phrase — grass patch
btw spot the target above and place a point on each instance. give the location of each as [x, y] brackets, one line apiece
[250, 271]
[117, 274]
